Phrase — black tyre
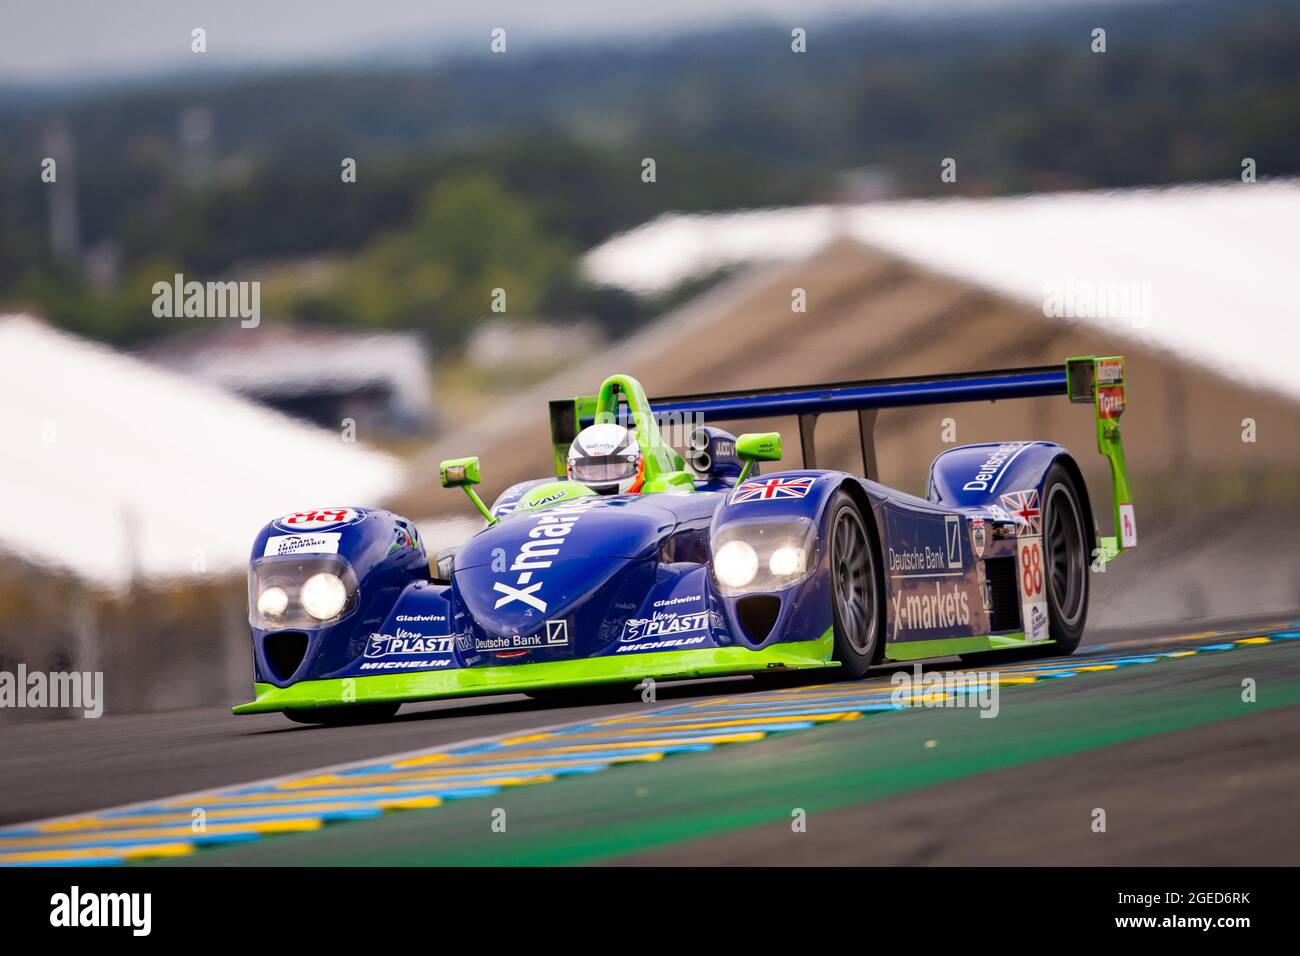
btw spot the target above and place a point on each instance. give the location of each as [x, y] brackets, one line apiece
[1066, 566]
[855, 587]
[342, 716]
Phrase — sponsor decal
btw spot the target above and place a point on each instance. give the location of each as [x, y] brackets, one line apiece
[557, 632]
[685, 599]
[664, 622]
[1110, 372]
[952, 536]
[545, 542]
[525, 642]
[318, 518]
[990, 473]
[769, 489]
[320, 543]
[1128, 529]
[944, 607]
[1023, 505]
[978, 537]
[405, 643]
[1031, 573]
[664, 645]
[1110, 401]
[554, 496]
[420, 618]
[405, 665]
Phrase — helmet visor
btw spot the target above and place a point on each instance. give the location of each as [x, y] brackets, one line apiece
[603, 469]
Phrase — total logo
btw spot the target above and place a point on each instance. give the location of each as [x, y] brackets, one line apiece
[1110, 401]
[923, 608]
[318, 518]
[545, 542]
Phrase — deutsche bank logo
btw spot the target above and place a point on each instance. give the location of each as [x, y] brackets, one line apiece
[952, 531]
[557, 632]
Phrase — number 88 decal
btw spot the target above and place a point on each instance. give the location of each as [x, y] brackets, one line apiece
[1031, 568]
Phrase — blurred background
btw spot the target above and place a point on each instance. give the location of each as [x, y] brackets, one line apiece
[454, 215]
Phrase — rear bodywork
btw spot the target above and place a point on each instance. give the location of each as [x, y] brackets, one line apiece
[565, 591]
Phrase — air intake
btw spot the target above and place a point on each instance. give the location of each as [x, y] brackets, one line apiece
[757, 614]
[284, 651]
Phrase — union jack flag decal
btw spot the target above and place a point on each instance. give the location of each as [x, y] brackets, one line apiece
[765, 489]
[1024, 505]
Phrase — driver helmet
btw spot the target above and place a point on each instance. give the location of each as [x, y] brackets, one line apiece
[607, 459]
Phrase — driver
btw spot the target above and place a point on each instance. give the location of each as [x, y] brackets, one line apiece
[607, 459]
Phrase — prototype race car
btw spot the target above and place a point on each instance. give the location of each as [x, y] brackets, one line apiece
[712, 569]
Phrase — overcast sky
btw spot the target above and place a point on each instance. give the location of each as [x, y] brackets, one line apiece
[57, 40]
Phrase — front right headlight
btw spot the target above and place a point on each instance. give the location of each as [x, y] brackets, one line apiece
[752, 556]
[287, 592]
[323, 595]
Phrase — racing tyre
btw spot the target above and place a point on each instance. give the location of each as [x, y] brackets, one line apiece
[342, 716]
[1066, 563]
[856, 587]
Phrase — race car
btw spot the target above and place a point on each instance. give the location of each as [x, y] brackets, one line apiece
[711, 567]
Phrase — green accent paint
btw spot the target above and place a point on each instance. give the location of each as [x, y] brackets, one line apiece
[759, 446]
[455, 472]
[951, 647]
[464, 473]
[1109, 444]
[552, 493]
[473, 681]
[660, 457]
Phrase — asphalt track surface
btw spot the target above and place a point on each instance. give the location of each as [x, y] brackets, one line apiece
[1186, 772]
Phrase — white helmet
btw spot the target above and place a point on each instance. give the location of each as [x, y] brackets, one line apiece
[607, 459]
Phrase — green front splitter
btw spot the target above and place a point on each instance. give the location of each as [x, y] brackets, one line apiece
[517, 678]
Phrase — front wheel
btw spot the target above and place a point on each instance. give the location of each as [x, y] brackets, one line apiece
[855, 587]
[341, 716]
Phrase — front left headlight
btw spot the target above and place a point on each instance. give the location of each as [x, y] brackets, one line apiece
[751, 556]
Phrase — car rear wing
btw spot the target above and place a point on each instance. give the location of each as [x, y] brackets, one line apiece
[1086, 380]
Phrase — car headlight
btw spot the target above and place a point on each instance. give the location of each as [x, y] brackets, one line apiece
[273, 602]
[787, 561]
[735, 564]
[301, 591]
[323, 595]
[755, 556]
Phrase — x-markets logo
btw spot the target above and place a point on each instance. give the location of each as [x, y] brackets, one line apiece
[545, 541]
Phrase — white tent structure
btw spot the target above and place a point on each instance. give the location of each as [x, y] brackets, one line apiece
[1212, 269]
[120, 472]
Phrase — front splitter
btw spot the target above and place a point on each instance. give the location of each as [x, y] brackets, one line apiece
[518, 678]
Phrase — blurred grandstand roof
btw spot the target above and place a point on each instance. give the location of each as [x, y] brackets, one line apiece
[1218, 261]
[120, 471]
[380, 379]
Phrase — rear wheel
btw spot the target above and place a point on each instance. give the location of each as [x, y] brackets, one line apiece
[342, 716]
[855, 587]
[1066, 563]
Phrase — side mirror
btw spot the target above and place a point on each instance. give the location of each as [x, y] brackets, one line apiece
[459, 472]
[464, 473]
[757, 446]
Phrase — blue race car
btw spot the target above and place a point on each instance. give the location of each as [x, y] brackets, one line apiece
[682, 567]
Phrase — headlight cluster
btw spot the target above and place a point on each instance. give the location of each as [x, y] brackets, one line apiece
[763, 555]
[297, 592]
